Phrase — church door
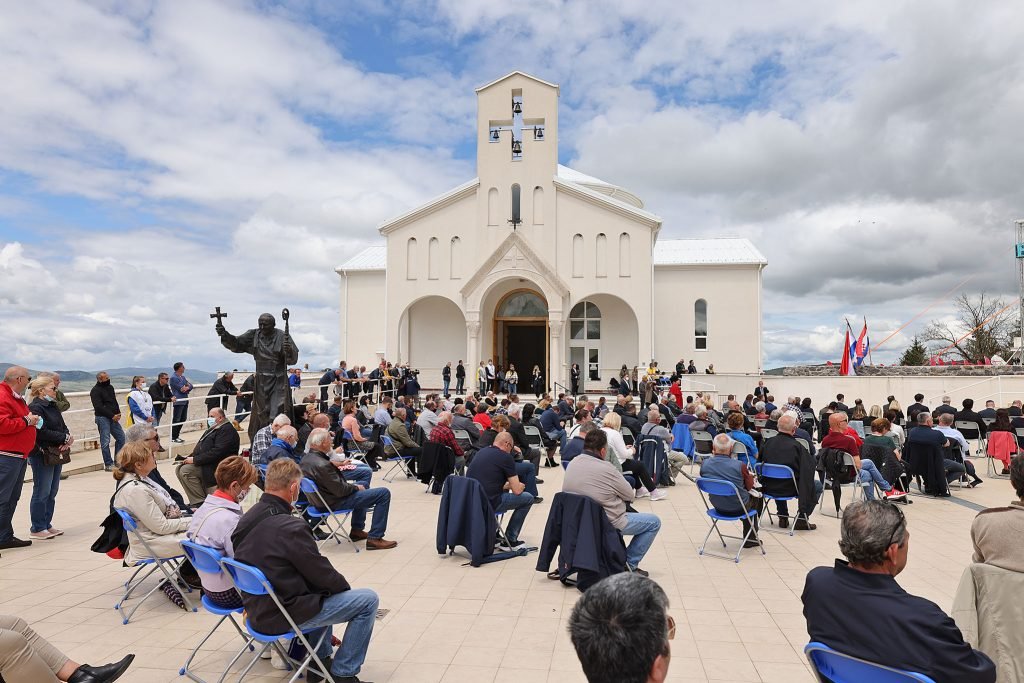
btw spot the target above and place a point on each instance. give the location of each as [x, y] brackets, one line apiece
[521, 335]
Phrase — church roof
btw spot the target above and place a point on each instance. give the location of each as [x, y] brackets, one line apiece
[516, 73]
[371, 258]
[707, 251]
[603, 186]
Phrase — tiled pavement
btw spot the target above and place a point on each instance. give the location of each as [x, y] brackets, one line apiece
[496, 623]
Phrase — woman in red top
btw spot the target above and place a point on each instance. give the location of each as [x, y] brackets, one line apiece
[481, 417]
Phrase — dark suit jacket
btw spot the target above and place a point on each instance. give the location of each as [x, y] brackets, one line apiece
[870, 616]
[924, 456]
[214, 445]
[783, 449]
[332, 486]
[971, 416]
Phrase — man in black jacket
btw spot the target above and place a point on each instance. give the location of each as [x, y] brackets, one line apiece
[222, 388]
[968, 415]
[326, 380]
[784, 449]
[340, 494]
[460, 378]
[857, 608]
[281, 545]
[108, 418]
[217, 443]
[162, 397]
[915, 408]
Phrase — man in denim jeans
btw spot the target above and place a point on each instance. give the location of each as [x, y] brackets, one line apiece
[108, 418]
[272, 539]
[597, 479]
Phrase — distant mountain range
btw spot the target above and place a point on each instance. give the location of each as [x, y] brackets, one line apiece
[82, 380]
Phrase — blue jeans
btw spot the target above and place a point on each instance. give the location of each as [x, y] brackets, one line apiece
[512, 388]
[358, 608]
[868, 473]
[12, 476]
[527, 474]
[447, 382]
[643, 527]
[45, 482]
[362, 474]
[106, 427]
[379, 499]
[243, 407]
[519, 506]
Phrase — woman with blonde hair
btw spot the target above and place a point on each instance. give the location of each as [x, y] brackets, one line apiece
[53, 444]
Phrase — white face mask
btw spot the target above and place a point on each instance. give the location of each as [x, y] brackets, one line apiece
[143, 387]
[212, 421]
[242, 494]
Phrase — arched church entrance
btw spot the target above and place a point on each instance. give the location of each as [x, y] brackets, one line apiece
[521, 334]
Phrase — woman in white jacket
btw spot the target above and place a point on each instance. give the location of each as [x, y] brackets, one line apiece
[621, 455]
[140, 402]
[160, 521]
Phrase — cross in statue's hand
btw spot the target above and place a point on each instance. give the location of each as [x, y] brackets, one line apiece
[218, 315]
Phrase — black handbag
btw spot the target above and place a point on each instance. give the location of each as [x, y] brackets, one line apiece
[113, 534]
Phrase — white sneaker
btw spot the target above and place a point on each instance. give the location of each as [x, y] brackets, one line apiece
[659, 494]
[642, 493]
[41, 535]
[276, 661]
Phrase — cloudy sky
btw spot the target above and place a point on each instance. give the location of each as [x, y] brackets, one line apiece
[160, 158]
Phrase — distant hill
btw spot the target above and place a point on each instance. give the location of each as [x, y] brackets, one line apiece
[82, 380]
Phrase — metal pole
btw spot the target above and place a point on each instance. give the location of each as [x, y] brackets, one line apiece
[1019, 352]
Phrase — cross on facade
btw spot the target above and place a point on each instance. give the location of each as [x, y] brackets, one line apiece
[519, 124]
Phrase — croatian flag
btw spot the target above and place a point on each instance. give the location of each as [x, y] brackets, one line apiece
[863, 345]
[847, 367]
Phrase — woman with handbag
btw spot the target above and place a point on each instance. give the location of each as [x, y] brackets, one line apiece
[52, 451]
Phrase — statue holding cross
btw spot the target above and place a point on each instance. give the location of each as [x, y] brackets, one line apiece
[273, 350]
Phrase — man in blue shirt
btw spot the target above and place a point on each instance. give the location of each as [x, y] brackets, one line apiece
[495, 469]
[553, 425]
[180, 388]
[575, 445]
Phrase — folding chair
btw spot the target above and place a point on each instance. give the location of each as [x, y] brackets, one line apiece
[719, 487]
[971, 432]
[334, 520]
[206, 559]
[999, 443]
[348, 444]
[155, 564]
[249, 579]
[769, 471]
[739, 451]
[956, 455]
[759, 423]
[834, 666]
[627, 436]
[701, 448]
[768, 433]
[499, 517]
[533, 437]
[396, 459]
[805, 443]
[837, 489]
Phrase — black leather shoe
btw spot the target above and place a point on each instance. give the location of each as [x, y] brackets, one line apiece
[15, 543]
[801, 525]
[101, 674]
[539, 480]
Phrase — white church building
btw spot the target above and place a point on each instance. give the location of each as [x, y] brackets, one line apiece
[533, 263]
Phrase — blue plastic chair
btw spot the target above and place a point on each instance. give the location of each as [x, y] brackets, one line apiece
[767, 470]
[334, 520]
[396, 459]
[249, 579]
[840, 668]
[719, 487]
[207, 559]
[168, 566]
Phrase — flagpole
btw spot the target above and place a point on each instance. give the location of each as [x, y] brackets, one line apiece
[871, 360]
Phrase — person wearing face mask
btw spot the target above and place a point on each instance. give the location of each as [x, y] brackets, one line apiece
[196, 472]
[272, 539]
[215, 521]
[140, 402]
[53, 436]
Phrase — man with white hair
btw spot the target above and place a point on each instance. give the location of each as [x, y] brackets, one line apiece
[340, 494]
[727, 468]
[442, 434]
[427, 419]
[261, 442]
[17, 439]
[944, 408]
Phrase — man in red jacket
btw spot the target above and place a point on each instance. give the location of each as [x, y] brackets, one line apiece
[17, 438]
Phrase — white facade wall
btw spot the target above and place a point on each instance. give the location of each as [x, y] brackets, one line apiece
[362, 316]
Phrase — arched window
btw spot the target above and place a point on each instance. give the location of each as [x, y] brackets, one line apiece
[538, 205]
[410, 259]
[577, 255]
[700, 325]
[433, 257]
[454, 261]
[517, 215]
[522, 305]
[601, 268]
[624, 255]
[492, 206]
[584, 321]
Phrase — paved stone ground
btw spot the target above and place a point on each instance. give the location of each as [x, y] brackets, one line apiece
[499, 622]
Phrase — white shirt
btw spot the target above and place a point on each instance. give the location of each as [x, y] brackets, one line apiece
[617, 444]
[427, 420]
[955, 435]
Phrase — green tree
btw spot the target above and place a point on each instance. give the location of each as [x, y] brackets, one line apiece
[916, 354]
